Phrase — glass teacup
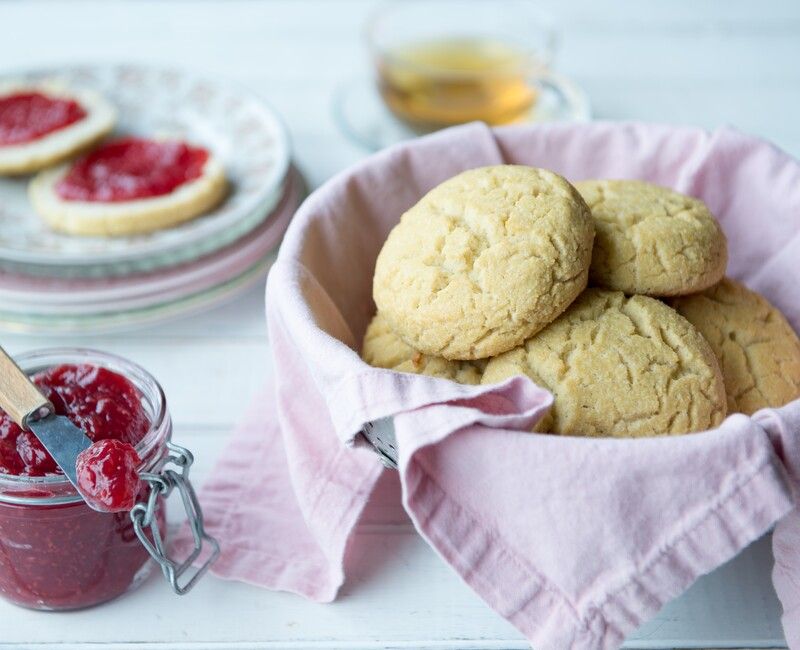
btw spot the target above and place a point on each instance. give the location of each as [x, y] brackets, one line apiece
[439, 64]
[447, 62]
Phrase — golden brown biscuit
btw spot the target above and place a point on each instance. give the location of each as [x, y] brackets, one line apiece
[651, 240]
[384, 349]
[620, 366]
[483, 261]
[758, 350]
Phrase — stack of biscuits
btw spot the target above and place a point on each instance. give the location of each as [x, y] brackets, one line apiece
[486, 278]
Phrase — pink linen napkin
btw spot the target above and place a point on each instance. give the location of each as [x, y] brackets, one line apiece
[576, 541]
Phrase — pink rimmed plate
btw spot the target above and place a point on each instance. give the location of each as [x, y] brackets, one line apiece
[51, 305]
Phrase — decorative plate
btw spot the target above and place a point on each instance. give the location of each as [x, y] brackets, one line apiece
[80, 325]
[29, 296]
[236, 124]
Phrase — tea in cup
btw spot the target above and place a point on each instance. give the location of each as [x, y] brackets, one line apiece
[440, 64]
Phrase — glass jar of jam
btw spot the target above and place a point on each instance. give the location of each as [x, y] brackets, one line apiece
[57, 553]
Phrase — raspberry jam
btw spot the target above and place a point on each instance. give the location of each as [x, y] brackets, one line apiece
[55, 551]
[102, 403]
[107, 475]
[130, 169]
[28, 116]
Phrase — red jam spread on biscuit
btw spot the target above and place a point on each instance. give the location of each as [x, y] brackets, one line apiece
[107, 475]
[130, 169]
[28, 116]
[103, 404]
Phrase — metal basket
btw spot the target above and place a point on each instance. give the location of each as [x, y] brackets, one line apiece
[380, 434]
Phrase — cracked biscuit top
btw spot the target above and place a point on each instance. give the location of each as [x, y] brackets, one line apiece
[483, 261]
[651, 240]
[620, 366]
[757, 348]
[384, 349]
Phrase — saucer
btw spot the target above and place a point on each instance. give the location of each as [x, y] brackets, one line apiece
[362, 116]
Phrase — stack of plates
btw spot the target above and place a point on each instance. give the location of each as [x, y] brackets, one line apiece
[54, 283]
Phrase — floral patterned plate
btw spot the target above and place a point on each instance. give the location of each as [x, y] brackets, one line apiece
[234, 123]
[67, 297]
[89, 307]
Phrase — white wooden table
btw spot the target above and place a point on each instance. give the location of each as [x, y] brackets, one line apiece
[689, 61]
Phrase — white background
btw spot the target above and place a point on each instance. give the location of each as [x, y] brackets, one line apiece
[690, 61]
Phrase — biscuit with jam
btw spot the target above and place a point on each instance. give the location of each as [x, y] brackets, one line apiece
[129, 186]
[42, 124]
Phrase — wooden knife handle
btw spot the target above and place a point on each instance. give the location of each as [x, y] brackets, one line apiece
[19, 397]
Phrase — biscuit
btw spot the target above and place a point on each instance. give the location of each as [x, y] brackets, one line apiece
[62, 143]
[620, 366]
[122, 218]
[384, 349]
[651, 240]
[483, 261]
[758, 351]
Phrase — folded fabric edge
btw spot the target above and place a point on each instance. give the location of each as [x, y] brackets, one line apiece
[539, 609]
[266, 569]
[745, 514]
[222, 498]
[421, 391]
[785, 546]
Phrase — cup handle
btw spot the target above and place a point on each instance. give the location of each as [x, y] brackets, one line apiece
[573, 104]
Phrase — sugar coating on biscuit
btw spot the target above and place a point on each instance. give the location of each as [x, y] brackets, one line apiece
[483, 261]
[758, 350]
[652, 240]
[620, 366]
[382, 348]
